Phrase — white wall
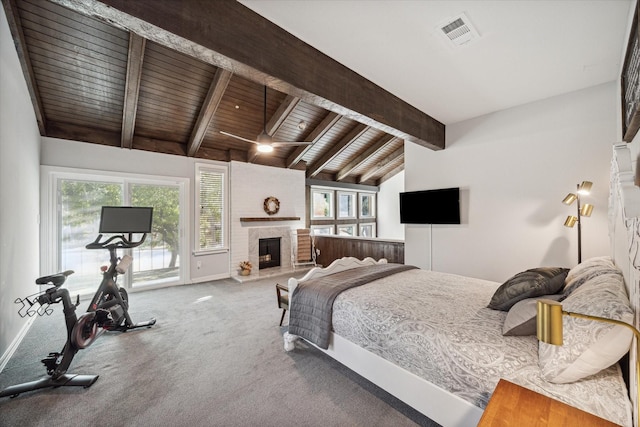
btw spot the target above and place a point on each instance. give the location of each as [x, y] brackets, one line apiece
[250, 185]
[514, 168]
[79, 155]
[389, 226]
[19, 192]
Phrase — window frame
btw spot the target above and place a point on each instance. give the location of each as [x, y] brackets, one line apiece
[50, 178]
[372, 197]
[338, 222]
[323, 226]
[353, 226]
[367, 224]
[354, 204]
[224, 171]
[330, 192]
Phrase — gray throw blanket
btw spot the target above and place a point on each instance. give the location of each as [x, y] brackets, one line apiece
[312, 301]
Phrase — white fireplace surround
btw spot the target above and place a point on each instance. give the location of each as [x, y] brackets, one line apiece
[257, 233]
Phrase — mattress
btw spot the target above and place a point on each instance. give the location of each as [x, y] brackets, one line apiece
[438, 327]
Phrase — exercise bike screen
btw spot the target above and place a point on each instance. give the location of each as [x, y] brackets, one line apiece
[125, 219]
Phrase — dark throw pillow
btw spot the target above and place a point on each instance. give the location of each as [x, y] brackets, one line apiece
[528, 284]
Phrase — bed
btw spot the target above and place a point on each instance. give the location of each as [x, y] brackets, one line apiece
[432, 340]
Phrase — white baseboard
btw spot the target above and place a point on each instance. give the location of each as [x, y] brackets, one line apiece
[4, 359]
[210, 278]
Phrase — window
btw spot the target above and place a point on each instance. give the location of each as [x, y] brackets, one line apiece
[321, 204]
[73, 207]
[367, 205]
[346, 205]
[347, 230]
[368, 230]
[211, 218]
[322, 229]
[345, 211]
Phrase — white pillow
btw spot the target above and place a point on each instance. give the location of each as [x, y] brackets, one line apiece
[521, 318]
[587, 269]
[590, 346]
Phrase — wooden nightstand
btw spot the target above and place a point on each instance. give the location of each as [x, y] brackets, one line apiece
[513, 405]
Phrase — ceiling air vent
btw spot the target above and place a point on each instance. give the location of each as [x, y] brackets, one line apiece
[458, 30]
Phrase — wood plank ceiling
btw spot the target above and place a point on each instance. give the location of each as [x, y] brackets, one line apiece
[95, 82]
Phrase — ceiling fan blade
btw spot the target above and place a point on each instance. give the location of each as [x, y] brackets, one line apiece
[238, 137]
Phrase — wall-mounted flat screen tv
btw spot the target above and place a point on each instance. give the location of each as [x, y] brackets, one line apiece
[430, 206]
[125, 219]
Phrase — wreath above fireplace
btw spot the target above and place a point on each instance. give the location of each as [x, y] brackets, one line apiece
[271, 205]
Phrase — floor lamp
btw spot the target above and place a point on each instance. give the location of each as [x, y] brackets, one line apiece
[585, 210]
[549, 324]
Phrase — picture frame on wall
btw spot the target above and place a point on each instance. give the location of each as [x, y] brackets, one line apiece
[630, 81]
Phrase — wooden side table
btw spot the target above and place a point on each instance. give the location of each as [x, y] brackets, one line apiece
[513, 405]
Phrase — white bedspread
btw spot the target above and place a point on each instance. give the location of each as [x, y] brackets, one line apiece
[437, 326]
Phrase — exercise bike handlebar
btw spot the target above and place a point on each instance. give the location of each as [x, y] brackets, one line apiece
[117, 241]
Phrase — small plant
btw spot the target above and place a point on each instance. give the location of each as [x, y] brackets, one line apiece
[245, 265]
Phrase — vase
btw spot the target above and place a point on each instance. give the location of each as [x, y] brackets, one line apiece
[245, 272]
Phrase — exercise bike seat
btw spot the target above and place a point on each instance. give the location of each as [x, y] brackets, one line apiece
[55, 279]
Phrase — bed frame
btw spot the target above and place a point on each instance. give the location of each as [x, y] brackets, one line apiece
[440, 405]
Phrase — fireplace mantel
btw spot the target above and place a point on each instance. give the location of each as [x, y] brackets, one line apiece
[269, 218]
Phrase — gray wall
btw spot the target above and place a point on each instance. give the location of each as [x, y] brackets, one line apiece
[19, 191]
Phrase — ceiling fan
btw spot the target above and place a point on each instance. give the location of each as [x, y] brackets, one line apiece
[264, 141]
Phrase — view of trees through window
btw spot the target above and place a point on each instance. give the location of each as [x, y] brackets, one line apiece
[354, 213]
[80, 203]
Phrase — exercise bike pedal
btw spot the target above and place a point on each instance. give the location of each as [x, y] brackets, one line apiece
[148, 324]
[50, 362]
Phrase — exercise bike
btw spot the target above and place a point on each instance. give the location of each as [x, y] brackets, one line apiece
[107, 311]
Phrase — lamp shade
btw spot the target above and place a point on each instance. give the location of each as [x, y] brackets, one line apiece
[570, 221]
[569, 199]
[549, 321]
[586, 210]
[585, 187]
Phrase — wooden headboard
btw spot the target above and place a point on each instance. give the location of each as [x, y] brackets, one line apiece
[624, 234]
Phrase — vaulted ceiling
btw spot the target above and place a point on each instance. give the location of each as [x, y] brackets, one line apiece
[522, 50]
[141, 75]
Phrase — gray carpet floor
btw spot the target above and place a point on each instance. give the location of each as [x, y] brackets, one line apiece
[214, 358]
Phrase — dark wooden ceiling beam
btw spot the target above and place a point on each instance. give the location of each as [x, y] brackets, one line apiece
[207, 111]
[75, 132]
[336, 149]
[82, 133]
[365, 156]
[227, 34]
[135, 58]
[159, 146]
[13, 18]
[393, 172]
[397, 154]
[281, 114]
[313, 137]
